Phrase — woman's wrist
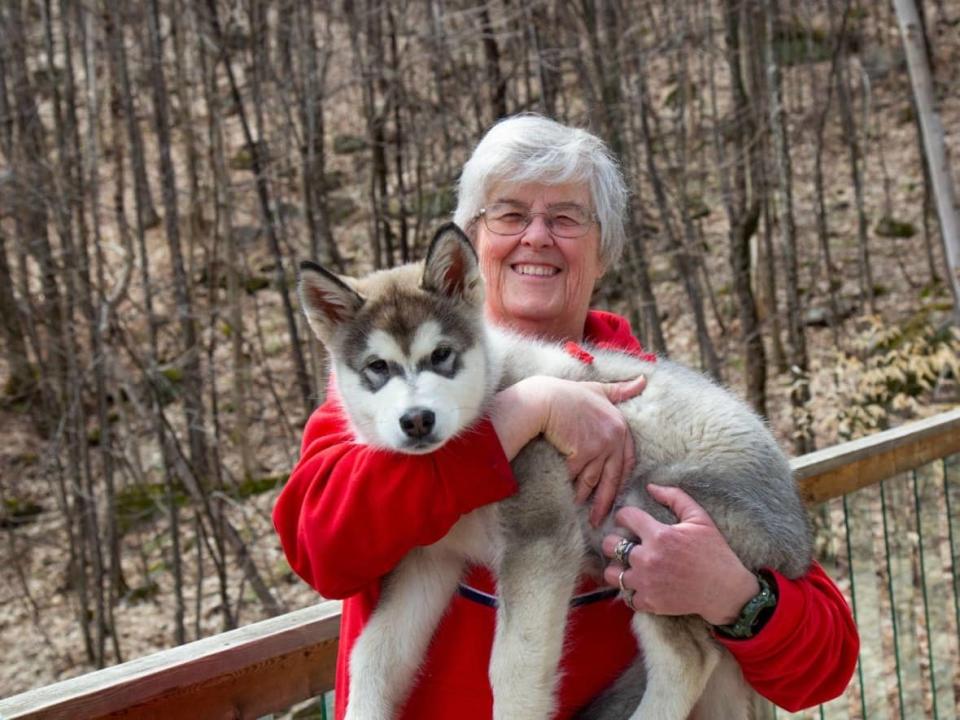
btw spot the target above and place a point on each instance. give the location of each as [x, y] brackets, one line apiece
[742, 588]
[517, 414]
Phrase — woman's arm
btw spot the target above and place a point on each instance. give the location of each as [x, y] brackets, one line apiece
[581, 421]
[806, 651]
[349, 512]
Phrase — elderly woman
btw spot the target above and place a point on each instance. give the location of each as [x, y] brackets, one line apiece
[543, 204]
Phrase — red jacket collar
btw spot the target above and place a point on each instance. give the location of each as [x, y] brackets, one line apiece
[611, 331]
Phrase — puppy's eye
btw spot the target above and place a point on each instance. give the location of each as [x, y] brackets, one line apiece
[377, 373]
[378, 367]
[441, 355]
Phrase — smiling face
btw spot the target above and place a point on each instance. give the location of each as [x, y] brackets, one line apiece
[537, 282]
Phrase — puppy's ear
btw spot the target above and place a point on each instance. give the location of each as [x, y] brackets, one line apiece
[327, 301]
[451, 267]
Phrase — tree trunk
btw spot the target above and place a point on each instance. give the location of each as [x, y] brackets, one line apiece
[763, 256]
[688, 252]
[933, 274]
[495, 82]
[865, 274]
[184, 121]
[378, 111]
[86, 499]
[115, 36]
[823, 232]
[223, 227]
[192, 379]
[607, 104]
[35, 183]
[539, 25]
[20, 381]
[6, 111]
[743, 213]
[684, 266]
[397, 94]
[365, 22]
[315, 183]
[948, 212]
[440, 60]
[263, 195]
[86, 185]
[799, 364]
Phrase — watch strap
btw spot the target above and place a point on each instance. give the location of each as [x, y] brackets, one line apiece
[754, 614]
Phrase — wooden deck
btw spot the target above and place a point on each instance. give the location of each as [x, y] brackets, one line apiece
[271, 665]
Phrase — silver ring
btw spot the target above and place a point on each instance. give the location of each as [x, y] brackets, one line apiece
[623, 550]
[623, 589]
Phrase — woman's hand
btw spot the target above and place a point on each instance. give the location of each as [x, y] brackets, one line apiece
[582, 421]
[682, 569]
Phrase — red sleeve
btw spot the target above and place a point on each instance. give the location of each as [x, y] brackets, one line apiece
[807, 652]
[350, 512]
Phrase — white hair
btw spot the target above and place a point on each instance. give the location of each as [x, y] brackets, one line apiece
[532, 148]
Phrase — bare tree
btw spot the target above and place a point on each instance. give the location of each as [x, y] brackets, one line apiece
[948, 210]
[823, 233]
[686, 268]
[193, 390]
[15, 344]
[855, 153]
[764, 256]
[266, 209]
[366, 37]
[539, 25]
[115, 36]
[35, 183]
[224, 229]
[495, 82]
[743, 212]
[799, 363]
[313, 68]
[602, 80]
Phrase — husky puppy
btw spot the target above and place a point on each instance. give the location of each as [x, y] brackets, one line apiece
[414, 365]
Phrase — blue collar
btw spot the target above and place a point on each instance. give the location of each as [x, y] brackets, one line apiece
[478, 596]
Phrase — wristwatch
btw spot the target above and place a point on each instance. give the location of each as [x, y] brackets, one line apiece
[754, 614]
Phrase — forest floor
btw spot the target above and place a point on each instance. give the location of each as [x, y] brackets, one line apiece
[39, 634]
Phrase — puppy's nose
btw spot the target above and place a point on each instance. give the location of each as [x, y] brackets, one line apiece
[417, 422]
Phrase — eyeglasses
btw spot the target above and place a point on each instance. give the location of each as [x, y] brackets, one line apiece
[567, 220]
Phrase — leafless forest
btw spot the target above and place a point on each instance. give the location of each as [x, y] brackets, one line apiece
[165, 164]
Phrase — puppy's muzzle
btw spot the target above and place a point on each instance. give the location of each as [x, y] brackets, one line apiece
[417, 422]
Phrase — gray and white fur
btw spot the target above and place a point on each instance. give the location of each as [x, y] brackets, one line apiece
[415, 365]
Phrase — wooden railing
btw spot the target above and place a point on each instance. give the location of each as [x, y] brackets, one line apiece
[244, 673]
[271, 665]
[844, 468]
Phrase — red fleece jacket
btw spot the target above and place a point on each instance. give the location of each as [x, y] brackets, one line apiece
[350, 512]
